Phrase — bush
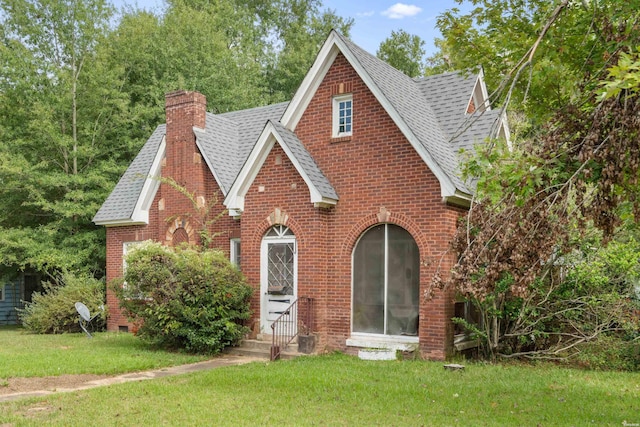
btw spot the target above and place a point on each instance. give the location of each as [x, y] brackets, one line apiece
[586, 295]
[184, 298]
[610, 353]
[54, 312]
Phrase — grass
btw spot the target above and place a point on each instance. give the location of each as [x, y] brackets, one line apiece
[345, 391]
[28, 355]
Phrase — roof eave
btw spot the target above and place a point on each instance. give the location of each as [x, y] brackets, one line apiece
[123, 222]
[325, 202]
[459, 199]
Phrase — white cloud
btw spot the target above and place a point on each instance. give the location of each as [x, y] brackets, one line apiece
[366, 14]
[401, 10]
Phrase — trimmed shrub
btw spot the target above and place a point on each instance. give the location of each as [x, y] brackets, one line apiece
[54, 312]
[184, 298]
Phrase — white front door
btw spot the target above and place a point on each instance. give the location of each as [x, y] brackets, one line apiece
[278, 275]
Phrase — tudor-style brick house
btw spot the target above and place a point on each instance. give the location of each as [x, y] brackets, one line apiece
[351, 192]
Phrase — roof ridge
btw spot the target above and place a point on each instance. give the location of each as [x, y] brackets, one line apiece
[468, 73]
[352, 46]
[246, 110]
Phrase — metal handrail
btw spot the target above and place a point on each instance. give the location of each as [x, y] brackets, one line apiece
[286, 327]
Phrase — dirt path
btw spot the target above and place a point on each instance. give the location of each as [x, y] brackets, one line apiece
[16, 388]
[22, 385]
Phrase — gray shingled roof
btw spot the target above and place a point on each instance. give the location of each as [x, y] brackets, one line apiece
[251, 123]
[228, 139]
[121, 202]
[219, 143]
[406, 98]
[434, 123]
[311, 169]
[433, 109]
[449, 95]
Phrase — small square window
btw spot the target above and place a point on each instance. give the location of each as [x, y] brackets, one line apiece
[342, 116]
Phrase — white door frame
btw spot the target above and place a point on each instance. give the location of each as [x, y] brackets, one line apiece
[271, 304]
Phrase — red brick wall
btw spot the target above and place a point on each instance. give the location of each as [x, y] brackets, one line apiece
[279, 195]
[172, 210]
[116, 237]
[379, 178]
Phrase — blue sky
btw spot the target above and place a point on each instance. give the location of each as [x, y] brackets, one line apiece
[373, 19]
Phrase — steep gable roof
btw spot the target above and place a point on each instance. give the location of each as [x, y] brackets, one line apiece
[225, 144]
[431, 112]
[321, 191]
[405, 102]
[130, 200]
[228, 138]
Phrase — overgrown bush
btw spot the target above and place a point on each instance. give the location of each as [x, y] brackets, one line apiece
[586, 299]
[53, 311]
[184, 298]
[610, 353]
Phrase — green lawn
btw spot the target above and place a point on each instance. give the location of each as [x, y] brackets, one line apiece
[28, 355]
[345, 391]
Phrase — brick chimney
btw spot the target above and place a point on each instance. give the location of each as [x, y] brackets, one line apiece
[184, 110]
[183, 161]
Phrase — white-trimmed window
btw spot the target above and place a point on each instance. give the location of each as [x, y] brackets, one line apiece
[386, 282]
[2, 292]
[234, 252]
[342, 115]
[126, 248]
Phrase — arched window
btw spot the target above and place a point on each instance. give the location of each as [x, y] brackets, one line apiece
[386, 282]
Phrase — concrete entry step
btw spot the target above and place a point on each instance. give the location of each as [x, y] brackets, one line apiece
[262, 349]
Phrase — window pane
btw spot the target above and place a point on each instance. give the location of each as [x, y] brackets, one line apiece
[280, 268]
[368, 282]
[403, 285]
[236, 252]
[279, 231]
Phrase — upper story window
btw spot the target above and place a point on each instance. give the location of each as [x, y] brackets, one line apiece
[342, 115]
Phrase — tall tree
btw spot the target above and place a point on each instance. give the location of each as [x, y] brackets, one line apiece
[403, 51]
[58, 105]
[81, 89]
[295, 31]
[499, 34]
[565, 187]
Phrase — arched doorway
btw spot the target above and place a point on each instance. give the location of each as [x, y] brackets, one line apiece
[278, 274]
[386, 282]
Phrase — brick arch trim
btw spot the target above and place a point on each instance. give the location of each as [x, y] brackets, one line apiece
[384, 217]
[179, 223]
[277, 217]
